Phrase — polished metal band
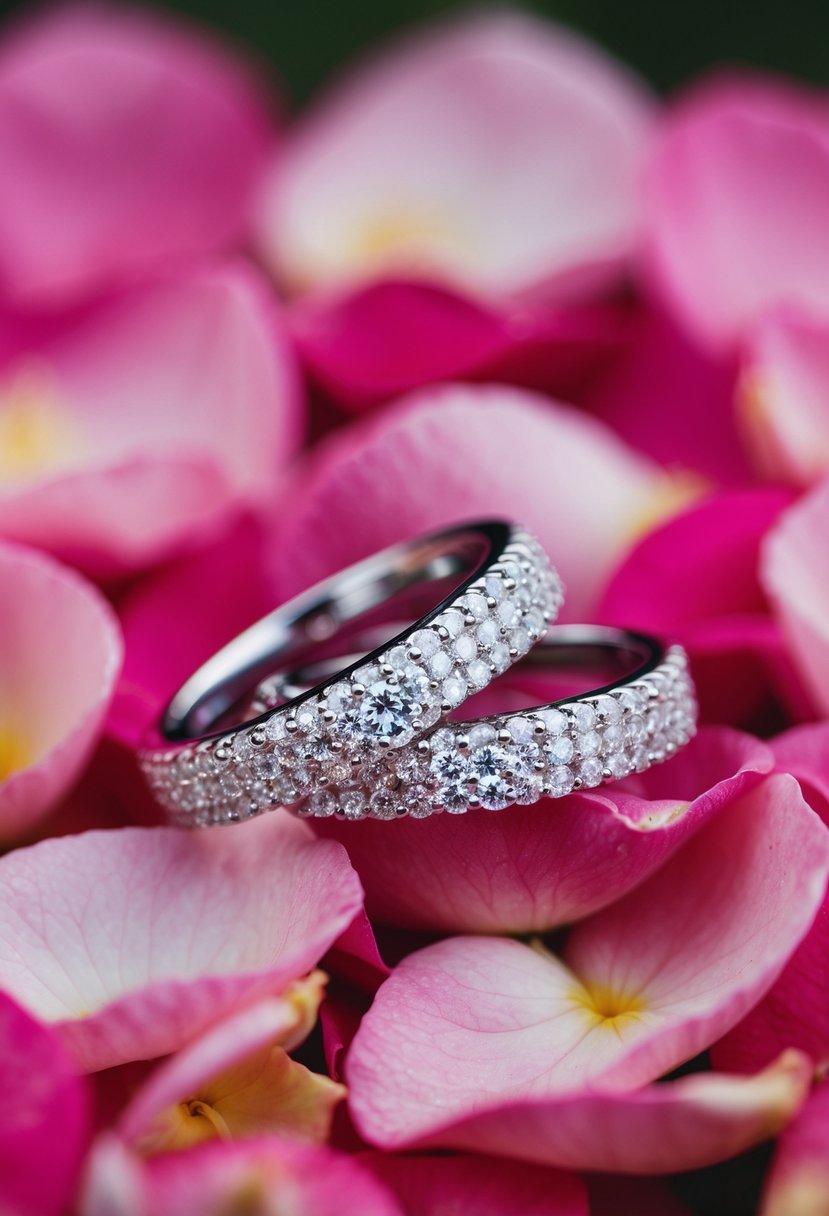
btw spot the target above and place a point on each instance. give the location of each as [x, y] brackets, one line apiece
[497, 595]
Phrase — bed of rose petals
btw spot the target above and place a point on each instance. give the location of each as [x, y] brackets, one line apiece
[487, 273]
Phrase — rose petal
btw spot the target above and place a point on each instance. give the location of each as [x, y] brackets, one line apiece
[134, 941]
[738, 195]
[784, 395]
[269, 1021]
[497, 153]
[660, 1129]
[795, 572]
[799, 1179]
[672, 399]
[145, 384]
[44, 1119]
[468, 1024]
[216, 1178]
[535, 867]
[477, 451]
[127, 141]
[177, 617]
[434, 1186]
[717, 607]
[62, 651]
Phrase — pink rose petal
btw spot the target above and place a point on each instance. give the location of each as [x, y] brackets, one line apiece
[177, 617]
[659, 1129]
[45, 1117]
[437, 1186]
[795, 1011]
[62, 651]
[218, 1178]
[717, 607]
[467, 1025]
[531, 868]
[738, 196]
[389, 336]
[496, 153]
[784, 398]
[135, 941]
[175, 404]
[673, 399]
[799, 1178]
[127, 142]
[477, 451]
[268, 1021]
[795, 572]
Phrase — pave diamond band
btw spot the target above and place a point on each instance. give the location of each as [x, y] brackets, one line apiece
[577, 742]
[502, 597]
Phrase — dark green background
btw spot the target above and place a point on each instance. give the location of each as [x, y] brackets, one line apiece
[306, 40]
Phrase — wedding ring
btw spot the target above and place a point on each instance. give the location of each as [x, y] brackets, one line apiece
[577, 742]
[489, 595]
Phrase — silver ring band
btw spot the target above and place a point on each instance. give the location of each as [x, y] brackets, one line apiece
[503, 596]
[576, 742]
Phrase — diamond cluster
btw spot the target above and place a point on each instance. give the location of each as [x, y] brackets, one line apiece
[326, 742]
[521, 757]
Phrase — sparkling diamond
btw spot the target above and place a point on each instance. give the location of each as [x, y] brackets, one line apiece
[454, 690]
[560, 750]
[478, 673]
[387, 710]
[493, 789]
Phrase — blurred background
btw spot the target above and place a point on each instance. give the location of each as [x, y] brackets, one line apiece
[668, 41]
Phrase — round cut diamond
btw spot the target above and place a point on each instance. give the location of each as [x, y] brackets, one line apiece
[560, 750]
[387, 710]
[488, 765]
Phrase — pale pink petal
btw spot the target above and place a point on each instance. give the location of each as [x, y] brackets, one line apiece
[798, 1184]
[794, 1013]
[44, 1117]
[659, 1129]
[224, 1045]
[532, 868]
[468, 1024]
[147, 419]
[784, 398]
[738, 196]
[454, 453]
[795, 573]
[804, 752]
[498, 154]
[717, 609]
[136, 940]
[127, 142]
[440, 1186]
[61, 656]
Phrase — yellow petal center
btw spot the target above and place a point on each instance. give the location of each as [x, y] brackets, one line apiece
[608, 1007]
[15, 754]
[267, 1092]
[37, 434]
[405, 235]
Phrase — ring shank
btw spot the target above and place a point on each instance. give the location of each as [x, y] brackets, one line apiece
[321, 613]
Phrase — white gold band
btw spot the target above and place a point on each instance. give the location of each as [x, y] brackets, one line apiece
[381, 703]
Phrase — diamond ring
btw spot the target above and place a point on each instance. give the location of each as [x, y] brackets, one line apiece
[576, 742]
[497, 595]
